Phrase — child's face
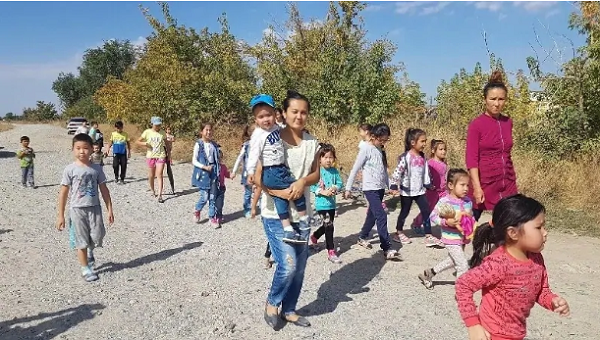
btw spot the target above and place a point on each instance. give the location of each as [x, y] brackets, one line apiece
[264, 116]
[95, 126]
[279, 116]
[82, 151]
[119, 129]
[207, 132]
[380, 141]
[327, 160]
[419, 144]
[168, 130]
[440, 151]
[532, 236]
[364, 134]
[460, 188]
[96, 148]
[25, 143]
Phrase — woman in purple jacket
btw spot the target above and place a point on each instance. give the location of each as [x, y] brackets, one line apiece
[488, 152]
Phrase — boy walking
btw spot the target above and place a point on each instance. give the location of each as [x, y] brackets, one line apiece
[26, 156]
[83, 181]
[119, 142]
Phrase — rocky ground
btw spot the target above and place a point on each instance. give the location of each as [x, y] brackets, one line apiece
[164, 277]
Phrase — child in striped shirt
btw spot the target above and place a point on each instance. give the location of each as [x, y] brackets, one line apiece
[453, 236]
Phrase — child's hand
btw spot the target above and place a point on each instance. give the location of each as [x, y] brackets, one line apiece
[253, 212]
[111, 218]
[394, 192]
[60, 223]
[250, 179]
[232, 176]
[451, 222]
[477, 332]
[561, 306]
[347, 195]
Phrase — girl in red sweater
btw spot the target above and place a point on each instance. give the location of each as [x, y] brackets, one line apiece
[508, 267]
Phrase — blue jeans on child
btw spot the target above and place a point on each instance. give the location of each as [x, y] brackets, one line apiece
[219, 202]
[207, 196]
[376, 215]
[279, 177]
[27, 175]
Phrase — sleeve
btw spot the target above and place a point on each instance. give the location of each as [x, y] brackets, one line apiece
[435, 218]
[20, 154]
[67, 179]
[257, 144]
[358, 164]
[398, 172]
[338, 180]
[195, 156]
[546, 295]
[315, 188]
[427, 183]
[144, 135]
[239, 159]
[489, 273]
[101, 175]
[472, 148]
[226, 171]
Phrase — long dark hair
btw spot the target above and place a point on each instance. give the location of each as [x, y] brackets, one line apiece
[513, 211]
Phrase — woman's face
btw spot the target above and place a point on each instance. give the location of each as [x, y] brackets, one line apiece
[296, 114]
[495, 101]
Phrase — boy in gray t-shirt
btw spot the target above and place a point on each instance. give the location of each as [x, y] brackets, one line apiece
[83, 182]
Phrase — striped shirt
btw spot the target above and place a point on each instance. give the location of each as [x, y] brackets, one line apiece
[451, 235]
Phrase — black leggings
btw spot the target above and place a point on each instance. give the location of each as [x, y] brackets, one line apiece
[327, 227]
[405, 203]
[120, 160]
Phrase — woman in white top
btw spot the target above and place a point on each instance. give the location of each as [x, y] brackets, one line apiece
[301, 150]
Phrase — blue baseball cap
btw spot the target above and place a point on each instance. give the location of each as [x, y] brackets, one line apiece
[156, 121]
[262, 99]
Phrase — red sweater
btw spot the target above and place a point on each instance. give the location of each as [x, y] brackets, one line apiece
[489, 146]
[510, 288]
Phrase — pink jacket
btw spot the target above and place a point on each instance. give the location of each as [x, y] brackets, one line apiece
[489, 146]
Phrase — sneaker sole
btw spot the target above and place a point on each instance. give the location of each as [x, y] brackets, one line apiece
[286, 240]
[427, 283]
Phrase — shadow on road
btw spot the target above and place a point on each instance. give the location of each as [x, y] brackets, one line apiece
[351, 279]
[7, 154]
[5, 231]
[58, 323]
[111, 267]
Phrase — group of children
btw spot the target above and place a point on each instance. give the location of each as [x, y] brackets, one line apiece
[507, 250]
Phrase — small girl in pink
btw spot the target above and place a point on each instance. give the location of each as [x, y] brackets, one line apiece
[437, 169]
[508, 267]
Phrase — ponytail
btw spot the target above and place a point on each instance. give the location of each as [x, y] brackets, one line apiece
[484, 243]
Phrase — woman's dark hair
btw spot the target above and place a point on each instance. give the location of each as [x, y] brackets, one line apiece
[246, 133]
[412, 135]
[495, 82]
[293, 95]
[512, 211]
[378, 131]
[325, 148]
[434, 145]
[455, 174]
[365, 127]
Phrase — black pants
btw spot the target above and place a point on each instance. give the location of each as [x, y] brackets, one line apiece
[405, 203]
[477, 214]
[268, 251]
[327, 228]
[120, 160]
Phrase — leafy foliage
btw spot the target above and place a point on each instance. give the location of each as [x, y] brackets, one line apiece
[41, 112]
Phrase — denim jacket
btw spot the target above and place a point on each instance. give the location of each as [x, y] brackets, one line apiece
[203, 179]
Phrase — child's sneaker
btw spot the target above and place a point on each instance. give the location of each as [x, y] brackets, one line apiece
[417, 229]
[432, 241]
[291, 236]
[426, 278]
[215, 222]
[399, 237]
[248, 214]
[88, 274]
[385, 208]
[197, 216]
[91, 260]
[391, 254]
[364, 243]
[333, 257]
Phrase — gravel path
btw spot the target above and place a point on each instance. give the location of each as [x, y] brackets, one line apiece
[163, 277]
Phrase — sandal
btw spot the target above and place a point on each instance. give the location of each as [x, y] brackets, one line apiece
[401, 238]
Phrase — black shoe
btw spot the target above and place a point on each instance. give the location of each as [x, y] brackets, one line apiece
[272, 320]
[301, 322]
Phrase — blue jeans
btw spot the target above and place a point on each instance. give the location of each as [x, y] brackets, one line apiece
[247, 198]
[376, 215]
[207, 196]
[219, 202]
[291, 263]
[27, 175]
[279, 177]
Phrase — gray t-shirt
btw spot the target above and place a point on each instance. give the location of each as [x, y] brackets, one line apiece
[84, 181]
[374, 172]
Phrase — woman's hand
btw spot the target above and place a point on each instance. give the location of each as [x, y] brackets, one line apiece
[297, 189]
[347, 195]
[478, 195]
[477, 332]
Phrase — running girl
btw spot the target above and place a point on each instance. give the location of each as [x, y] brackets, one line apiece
[375, 181]
[437, 168]
[452, 236]
[412, 178]
[508, 267]
[325, 203]
[206, 173]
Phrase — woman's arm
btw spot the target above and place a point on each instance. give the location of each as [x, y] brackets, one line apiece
[239, 159]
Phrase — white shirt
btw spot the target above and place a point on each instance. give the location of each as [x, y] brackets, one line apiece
[208, 155]
[361, 144]
[82, 129]
[299, 159]
[266, 146]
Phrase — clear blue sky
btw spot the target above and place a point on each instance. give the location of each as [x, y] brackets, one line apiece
[435, 39]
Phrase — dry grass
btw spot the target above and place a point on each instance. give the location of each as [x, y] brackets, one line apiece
[567, 188]
[5, 126]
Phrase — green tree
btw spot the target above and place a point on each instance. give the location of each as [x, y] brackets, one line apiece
[41, 112]
[348, 78]
[9, 116]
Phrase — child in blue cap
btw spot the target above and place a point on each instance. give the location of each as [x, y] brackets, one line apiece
[266, 145]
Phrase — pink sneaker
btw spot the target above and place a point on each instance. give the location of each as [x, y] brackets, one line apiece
[333, 257]
[197, 216]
